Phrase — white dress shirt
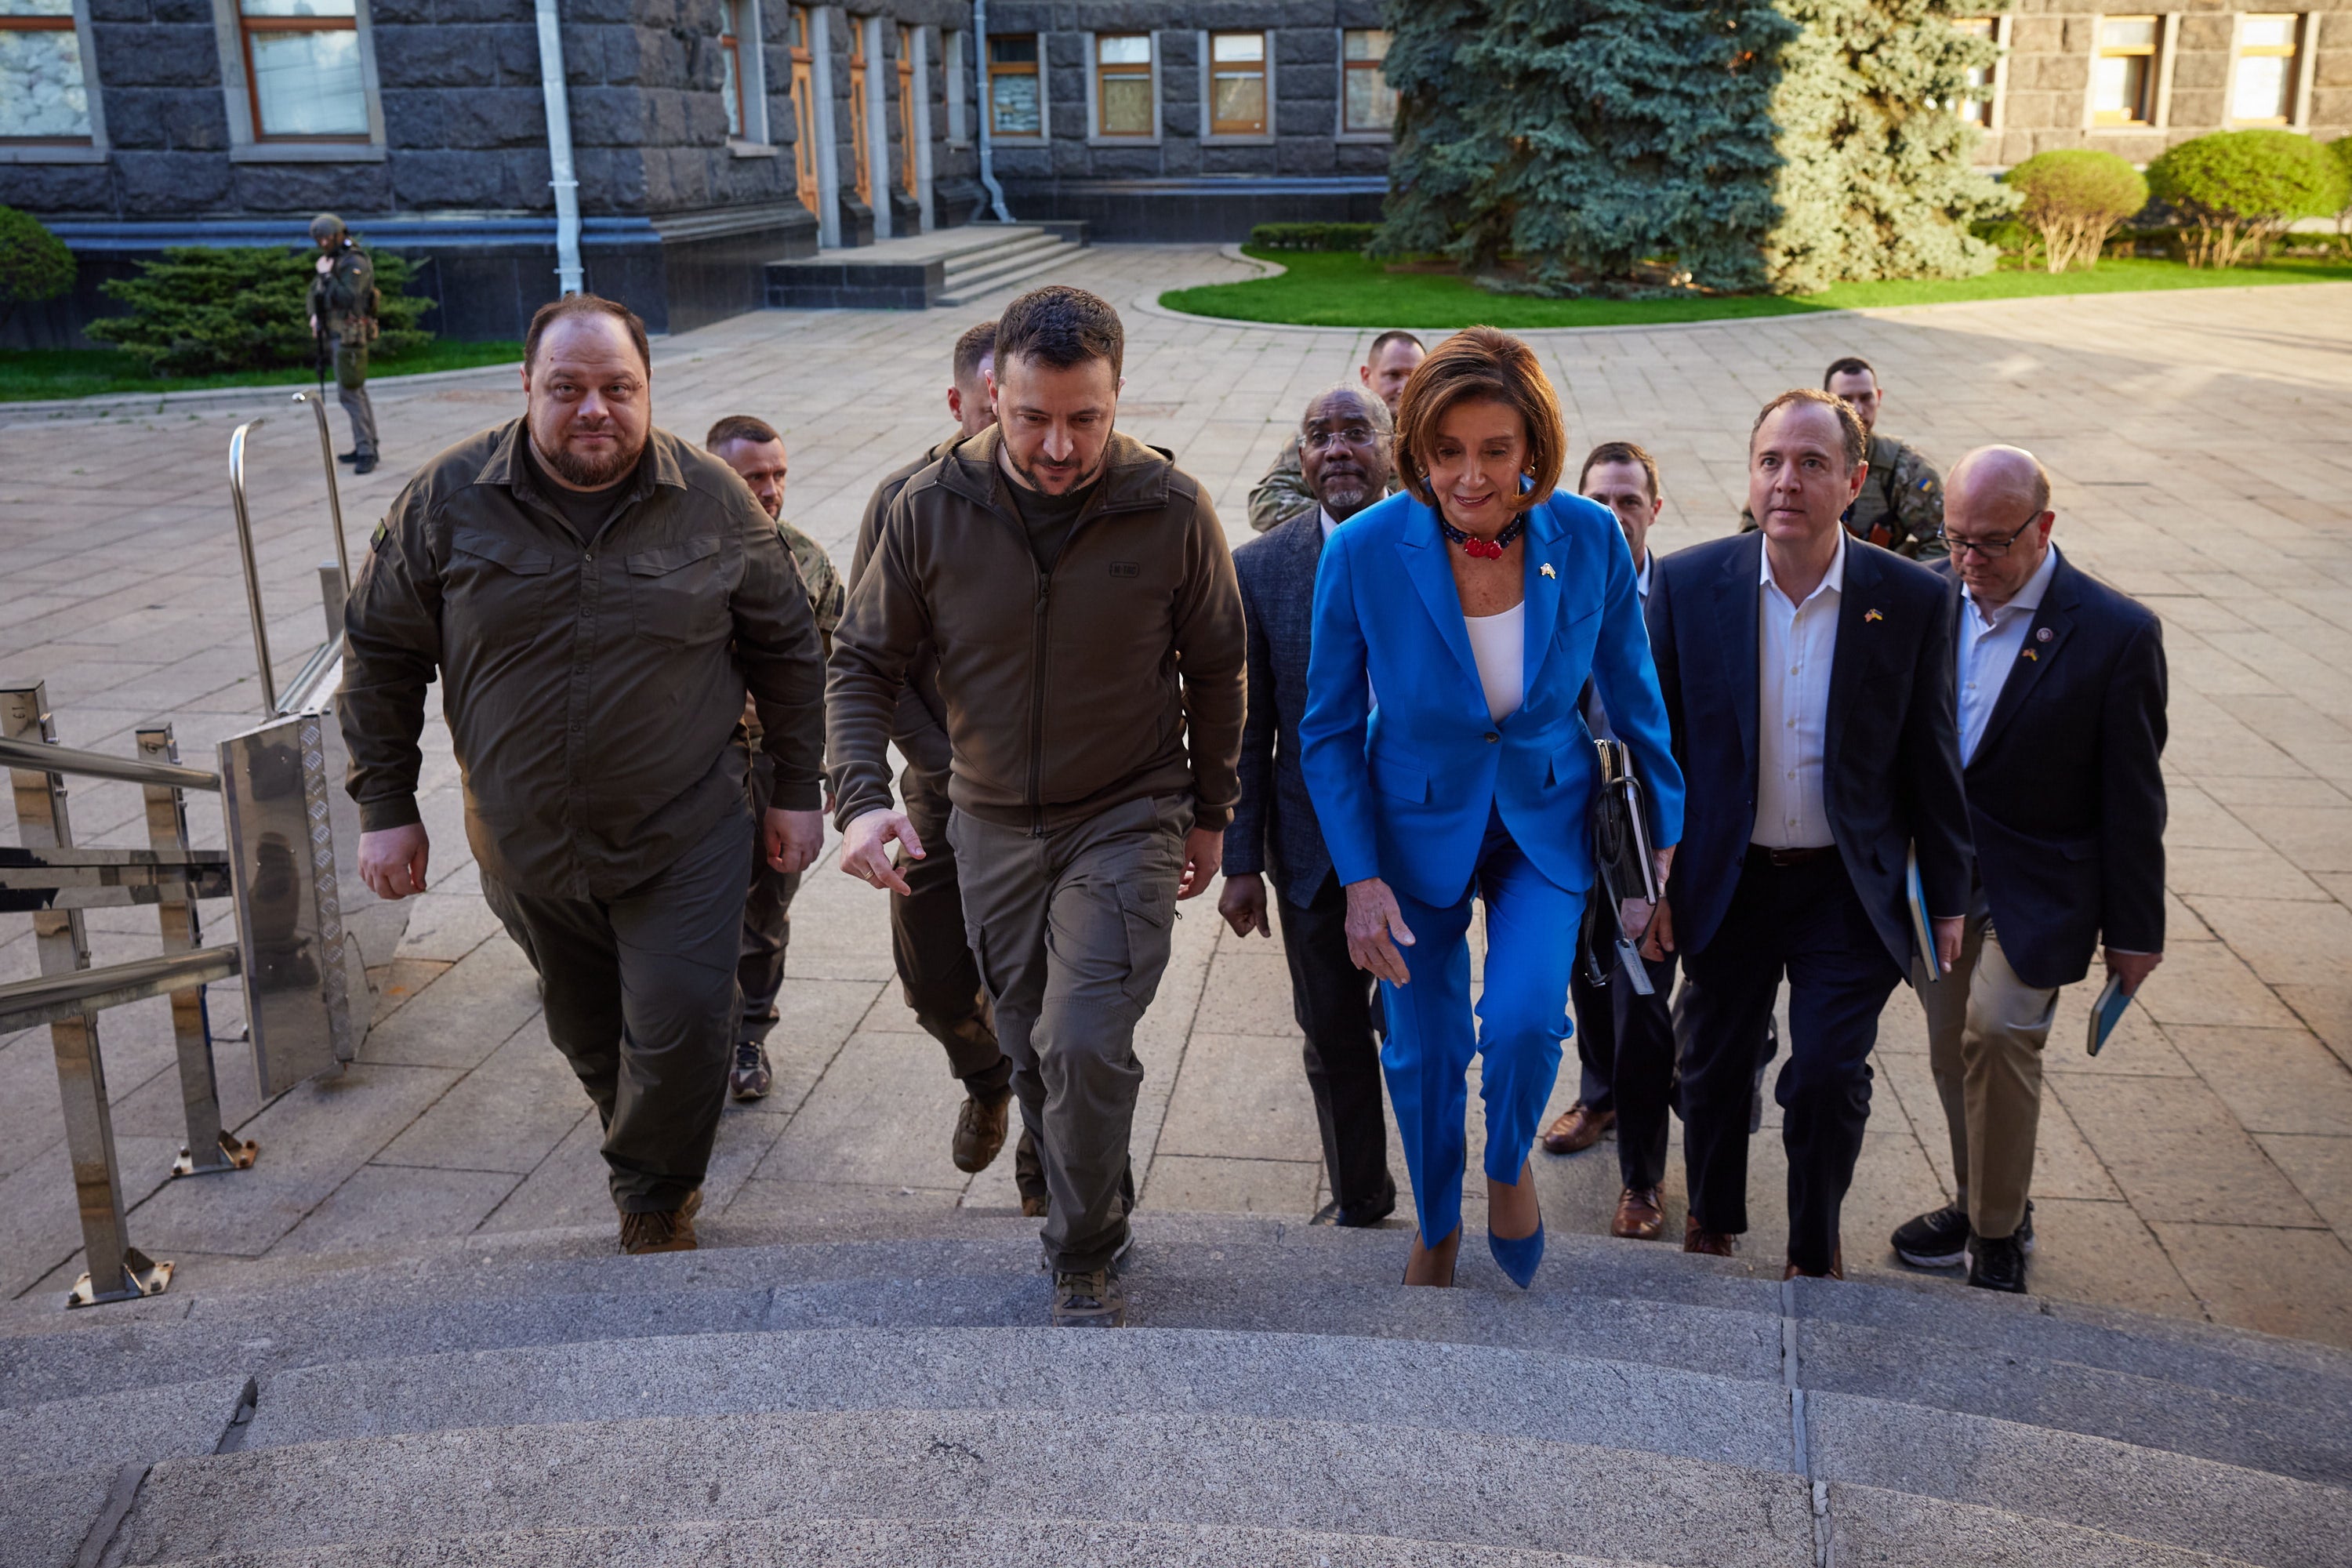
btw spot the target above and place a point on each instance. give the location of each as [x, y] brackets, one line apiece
[1989, 649]
[1498, 644]
[1596, 716]
[1795, 645]
[1323, 514]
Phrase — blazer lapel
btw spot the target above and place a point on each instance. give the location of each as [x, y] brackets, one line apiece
[1542, 592]
[1422, 548]
[1735, 622]
[1857, 649]
[2054, 618]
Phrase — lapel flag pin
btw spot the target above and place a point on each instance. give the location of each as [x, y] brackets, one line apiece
[1871, 615]
[1548, 571]
[2033, 656]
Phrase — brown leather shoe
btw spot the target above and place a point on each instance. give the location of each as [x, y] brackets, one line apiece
[662, 1230]
[1713, 1244]
[979, 1131]
[1577, 1128]
[1640, 1215]
[1837, 1266]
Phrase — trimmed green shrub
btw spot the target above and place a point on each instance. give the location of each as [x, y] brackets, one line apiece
[205, 310]
[1313, 235]
[2072, 197]
[2238, 190]
[34, 265]
[1781, 144]
[2341, 151]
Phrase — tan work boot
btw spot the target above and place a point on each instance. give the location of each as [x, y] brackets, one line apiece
[662, 1230]
[979, 1131]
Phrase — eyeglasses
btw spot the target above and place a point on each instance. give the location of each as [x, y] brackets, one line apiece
[1991, 549]
[1346, 435]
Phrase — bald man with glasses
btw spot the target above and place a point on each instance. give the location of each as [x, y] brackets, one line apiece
[2060, 687]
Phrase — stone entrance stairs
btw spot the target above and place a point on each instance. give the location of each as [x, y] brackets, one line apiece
[871, 1391]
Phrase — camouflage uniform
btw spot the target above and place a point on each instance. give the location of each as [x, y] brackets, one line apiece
[768, 906]
[342, 301]
[1901, 505]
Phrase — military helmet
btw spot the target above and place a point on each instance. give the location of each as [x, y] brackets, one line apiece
[326, 225]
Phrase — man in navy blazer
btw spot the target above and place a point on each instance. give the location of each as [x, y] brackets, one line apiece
[1808, 676]
[2061, 683]
[1343, 453]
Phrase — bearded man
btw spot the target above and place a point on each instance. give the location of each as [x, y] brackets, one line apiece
[596, 595]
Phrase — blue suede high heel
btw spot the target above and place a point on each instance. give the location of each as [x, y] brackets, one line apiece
[1518, 1257]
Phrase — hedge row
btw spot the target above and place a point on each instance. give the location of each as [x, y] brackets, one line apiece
[1313, 235]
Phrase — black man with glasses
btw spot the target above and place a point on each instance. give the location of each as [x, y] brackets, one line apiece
[2061, 687]
[1343, 452]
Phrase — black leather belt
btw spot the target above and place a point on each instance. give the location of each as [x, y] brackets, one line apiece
[1759, 854]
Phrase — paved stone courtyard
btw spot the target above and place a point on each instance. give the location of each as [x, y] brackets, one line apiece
[2201, 1167]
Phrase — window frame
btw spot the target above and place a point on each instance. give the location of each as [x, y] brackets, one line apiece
[2299, 55]
[1996, 81]
[1209, 133]
[247, 144]
[2155, 88]
[990, 71]
[1345, 132]
[799, 27]
[1095, 135]
[91, 148]
[730, 52]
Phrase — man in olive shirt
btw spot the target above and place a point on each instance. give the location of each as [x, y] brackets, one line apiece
[936, 970]
[595, 595]
[1076, 587]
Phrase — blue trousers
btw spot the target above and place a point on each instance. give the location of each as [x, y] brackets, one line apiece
[1520, 1020]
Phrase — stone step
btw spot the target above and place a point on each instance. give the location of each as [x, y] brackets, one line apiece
[1436, 1387]
[962, 265]
[988, 280]
[1475, 1490]
[895, 1543]
[107, 1431]
[1306, 1377]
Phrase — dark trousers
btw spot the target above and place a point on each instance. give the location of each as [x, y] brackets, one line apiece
[640, 996]
[767, 921]
[928, 945]
[1626, 1044]
[1803, 920]
[1333, 1001]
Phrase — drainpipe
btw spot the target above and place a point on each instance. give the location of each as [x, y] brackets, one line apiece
[987, 156]
[564, 177]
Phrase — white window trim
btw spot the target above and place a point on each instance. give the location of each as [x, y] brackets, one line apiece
[245, 143]
[952, 50]
[94, 151]
[1044, 95]
[879, 73]
[1095, 138]
[2306, 56]
[752, 61]
[920, 84]
[1208, 108]
[2167, 49]
[1339, 130]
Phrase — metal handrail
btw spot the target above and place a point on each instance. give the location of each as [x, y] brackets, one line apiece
[334, 491]
[252, 571]
[52, 999]
[55, 759]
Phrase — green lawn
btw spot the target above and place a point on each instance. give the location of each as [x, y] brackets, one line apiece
[30, 374]
[1341, 288]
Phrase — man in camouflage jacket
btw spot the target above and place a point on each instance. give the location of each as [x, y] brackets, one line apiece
[342, 309]
[755, 451]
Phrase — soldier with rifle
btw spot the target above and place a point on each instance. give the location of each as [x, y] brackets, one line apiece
[343, 323]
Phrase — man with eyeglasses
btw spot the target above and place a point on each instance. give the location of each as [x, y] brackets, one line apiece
[1343, 448]
[1284, 492]
[2061, 694]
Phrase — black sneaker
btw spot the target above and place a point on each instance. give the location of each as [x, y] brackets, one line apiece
[2025, 1229]
[347, 456]
[751, 1075]
[1938, 1239]
[364, 463]
[1997, 1263]
[1092, 1300]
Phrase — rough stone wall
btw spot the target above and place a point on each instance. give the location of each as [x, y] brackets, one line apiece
[2049, 75]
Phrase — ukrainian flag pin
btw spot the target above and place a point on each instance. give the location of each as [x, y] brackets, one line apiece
[1871, 615]
[1546, 571]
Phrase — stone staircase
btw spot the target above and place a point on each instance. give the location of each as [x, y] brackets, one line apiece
[855, 1390]
[948, 267]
